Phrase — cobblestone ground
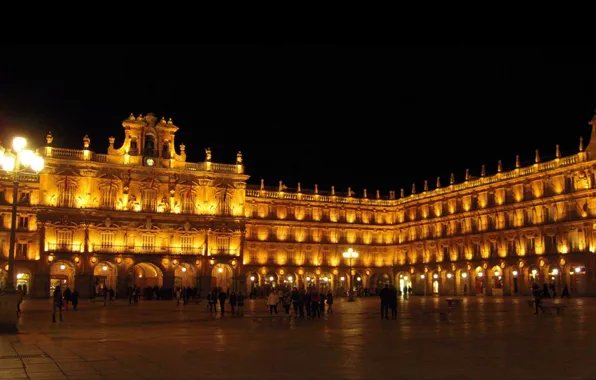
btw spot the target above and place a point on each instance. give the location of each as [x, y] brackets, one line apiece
[484, 338]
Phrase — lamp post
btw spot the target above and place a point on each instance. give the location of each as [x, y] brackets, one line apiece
[350, 254]
[16, 162]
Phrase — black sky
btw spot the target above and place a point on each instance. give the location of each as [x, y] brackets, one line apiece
[379, 116]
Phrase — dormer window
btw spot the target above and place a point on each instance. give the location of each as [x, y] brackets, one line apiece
[165, 152]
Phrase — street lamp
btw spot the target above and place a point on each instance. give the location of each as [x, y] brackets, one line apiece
[15, 162]
[350, 254]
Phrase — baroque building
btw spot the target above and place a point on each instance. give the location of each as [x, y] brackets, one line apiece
[141, 215]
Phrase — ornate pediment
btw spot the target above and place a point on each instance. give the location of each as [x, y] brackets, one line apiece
[223, 228]
[88, 172]
[187, 227]
[148, 225]
[67, 171]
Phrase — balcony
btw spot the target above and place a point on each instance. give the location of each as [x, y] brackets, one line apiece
[223, 252]
[124, 249]
[65, 247]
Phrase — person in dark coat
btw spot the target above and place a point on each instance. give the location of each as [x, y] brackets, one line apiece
[222, 301]
[57, 303]
[385, 294]
[393, 302]
[330, 302]
[233, 300]
[74, 298]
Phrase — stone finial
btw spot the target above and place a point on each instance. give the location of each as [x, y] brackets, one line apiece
[499, 167]
[112, 140]
[557, 151]
[517, 164]
[467, 175]
[170, 121]
[378, 194]
[452, 179]
[239, 158]
[316, 189]
[537, 157]
[581, 144]
[425, 185]
[131, 116]
[413, 188]
[483, 171]
[364, 194]
[349, 191]
[208, 154]
[86, 141]
[162, 120]
[262, 184]
[392, 194]
[49, 138]
[182, 148]
[281, 186]
[438, 182]
[140, 117]
[299, 188]
[402, 193]
[332, 190]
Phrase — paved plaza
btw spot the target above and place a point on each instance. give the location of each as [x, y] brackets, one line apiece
[484, 338]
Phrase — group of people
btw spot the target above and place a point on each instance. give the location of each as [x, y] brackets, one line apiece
[61, 299]
[310, 300]
[217, 295]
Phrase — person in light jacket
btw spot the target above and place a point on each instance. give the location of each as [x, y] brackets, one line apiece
[272, 301]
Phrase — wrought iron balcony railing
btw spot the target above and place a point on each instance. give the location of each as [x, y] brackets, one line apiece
[175, 250]
[65, 247]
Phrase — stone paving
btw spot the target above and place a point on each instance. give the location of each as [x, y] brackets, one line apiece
[484, 338]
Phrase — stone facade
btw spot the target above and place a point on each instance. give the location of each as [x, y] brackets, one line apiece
[143, 215]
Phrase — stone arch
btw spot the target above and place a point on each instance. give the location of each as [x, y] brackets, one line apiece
[105, 276]
[496, 280]
[403, 279]
[23, 280]
[310, 279]
[147, 275]
[434, 278]
[578, 280]
[184, 276]
[479, 280]
[463, 281]
[378, 281]
[289, 279]
[62, 273]
[326, 281]
[222, 276]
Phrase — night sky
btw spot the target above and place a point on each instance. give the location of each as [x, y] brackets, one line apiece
[380, 117]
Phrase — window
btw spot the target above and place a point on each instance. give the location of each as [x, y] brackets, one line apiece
[476, 250]
[25, 197]
[493, 249]
[550, 244]
[23, 222]
[223, 244]
[22, 249]
[186, 243]
[108, 197]
[446, 256]
[224, 203]
[148, 243]
[188, 204]
[107, 239]
[511, 247]
[67, 194]
[149, 200]
[64, 240]
[531, 245]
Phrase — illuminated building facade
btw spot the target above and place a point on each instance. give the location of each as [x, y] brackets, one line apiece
[141, 215]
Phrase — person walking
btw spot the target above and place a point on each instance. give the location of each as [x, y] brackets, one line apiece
[384, 294]
[287, 301]
[330, 302]
[315, 299]
[233, 300]
[66, 295]
[393, 302]
[222, 301]
[538, 295]
[272, 301]
[295, 300]
[57, 303]
[74, 298]
[240, 303]
[212, 301]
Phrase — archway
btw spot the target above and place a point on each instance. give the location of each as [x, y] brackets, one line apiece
[479, 281]
[534, 275]
[578, 281]
[147, 275]
[464, 281]
[309, 280]
[325, 282]
[222, 277]
[554, 280]
[252, 283]
[404, 283]
[450, 283]
[184, 276]
[496, 282]
[24, 281]
[436, 283]
[62, 273]
[342, 285]
[105, 277]
[358, 284]
[289, 280]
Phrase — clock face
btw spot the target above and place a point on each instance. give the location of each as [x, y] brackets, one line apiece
[150, 162]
